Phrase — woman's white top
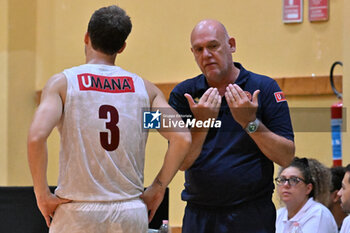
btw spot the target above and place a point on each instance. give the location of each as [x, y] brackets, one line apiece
[313, 217]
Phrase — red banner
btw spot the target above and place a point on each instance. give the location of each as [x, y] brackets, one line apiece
[318, 10]
[292, 11]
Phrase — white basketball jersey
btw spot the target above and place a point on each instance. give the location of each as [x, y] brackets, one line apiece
[102, 139]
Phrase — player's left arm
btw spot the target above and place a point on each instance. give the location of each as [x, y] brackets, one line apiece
[179, 141]
[277, 148]
[45, 119]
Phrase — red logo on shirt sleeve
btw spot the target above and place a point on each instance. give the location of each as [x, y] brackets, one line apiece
[279, 96]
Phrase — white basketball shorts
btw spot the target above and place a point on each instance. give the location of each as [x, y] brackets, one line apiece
[101, 217]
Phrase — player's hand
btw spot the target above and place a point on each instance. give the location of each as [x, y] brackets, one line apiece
[208, 105]
[48, 204]
[243, 109]
[152, 197]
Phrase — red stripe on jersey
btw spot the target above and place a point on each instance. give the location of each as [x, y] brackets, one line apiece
[92, 82]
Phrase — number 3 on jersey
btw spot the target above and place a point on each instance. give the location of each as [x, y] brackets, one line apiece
[111, 125]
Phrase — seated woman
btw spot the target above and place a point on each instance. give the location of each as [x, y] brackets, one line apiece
[299, 185]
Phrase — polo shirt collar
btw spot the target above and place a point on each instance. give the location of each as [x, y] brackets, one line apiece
[243, 74]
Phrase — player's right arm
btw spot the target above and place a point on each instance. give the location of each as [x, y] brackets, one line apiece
[45, 119]
[179, 143]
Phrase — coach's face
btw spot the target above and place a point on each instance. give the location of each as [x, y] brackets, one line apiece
[344, 193]
[212, 49]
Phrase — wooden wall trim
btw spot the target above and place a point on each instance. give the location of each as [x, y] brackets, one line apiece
[319, 85]
[291, 86]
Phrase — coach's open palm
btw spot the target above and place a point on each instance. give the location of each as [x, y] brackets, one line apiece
[208, 105]
[243, 109]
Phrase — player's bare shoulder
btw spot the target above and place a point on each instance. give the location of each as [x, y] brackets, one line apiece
[153, 91]
[57, 84]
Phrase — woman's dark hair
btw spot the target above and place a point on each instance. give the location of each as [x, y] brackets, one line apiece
[108, 29]
[322, 181]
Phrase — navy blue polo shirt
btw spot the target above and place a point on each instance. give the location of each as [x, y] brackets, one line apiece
[231, 169]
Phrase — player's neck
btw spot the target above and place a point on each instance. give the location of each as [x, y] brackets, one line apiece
[96, 57]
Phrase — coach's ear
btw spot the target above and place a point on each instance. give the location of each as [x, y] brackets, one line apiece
[122, 48]
[232, 44]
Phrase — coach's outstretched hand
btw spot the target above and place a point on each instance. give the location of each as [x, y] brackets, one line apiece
[208, 105]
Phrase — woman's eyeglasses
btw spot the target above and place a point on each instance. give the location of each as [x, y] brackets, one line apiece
[292, 181]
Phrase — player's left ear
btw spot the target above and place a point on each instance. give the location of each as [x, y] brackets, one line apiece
[122, 48]
[232, 43]
[86, 38]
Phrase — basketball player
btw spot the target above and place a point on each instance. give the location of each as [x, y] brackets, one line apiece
[97, 108]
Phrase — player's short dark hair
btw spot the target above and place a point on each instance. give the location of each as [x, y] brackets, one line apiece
[337, 177]
[108, 29]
